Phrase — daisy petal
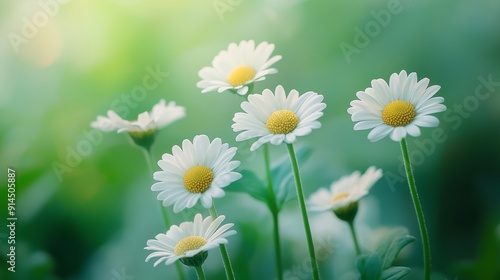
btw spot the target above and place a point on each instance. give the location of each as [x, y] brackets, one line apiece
[188, 239]
[238, 67]
[396, 109]
[345, 191]
[276, 117]
[183, 181]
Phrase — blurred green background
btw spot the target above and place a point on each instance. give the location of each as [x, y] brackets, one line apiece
[63, 63]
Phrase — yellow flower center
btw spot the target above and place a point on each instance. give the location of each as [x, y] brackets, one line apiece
[241, 75]
[189, 243]
[398, 113]
[338, 197]
[198, 179]
[282, 122]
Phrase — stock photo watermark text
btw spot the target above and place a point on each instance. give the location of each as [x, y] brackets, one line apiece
[47, 9]
[11, 219]
[380, 19]
[454, 117]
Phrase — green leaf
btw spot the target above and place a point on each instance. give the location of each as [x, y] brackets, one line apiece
[391, 244]
[282, 176]
[395, 273]
[250, 184]
[369, 266]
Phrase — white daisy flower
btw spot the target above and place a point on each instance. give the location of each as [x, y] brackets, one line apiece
[160, 116]
[277, 118]
[238, 67]
[111, 123]
[347, 190]
[188, 239]
[397, 108]
[198, 171]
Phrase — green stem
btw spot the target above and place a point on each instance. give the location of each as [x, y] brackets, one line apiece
[200, 273]
[418, 210]
[164, 213]
[354, 238]
[302, 204]
[273, 207]
[149, 160]
[223, 250]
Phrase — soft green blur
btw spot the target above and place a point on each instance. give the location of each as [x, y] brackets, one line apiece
[92, 218]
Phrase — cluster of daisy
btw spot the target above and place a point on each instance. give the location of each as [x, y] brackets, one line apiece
[199, 170]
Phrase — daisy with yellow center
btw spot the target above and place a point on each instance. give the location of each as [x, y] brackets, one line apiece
[189, 241]
[343, 197]
[396, 109]
[196, 172]
[277, 118]
[347, 190]
[238, 67]
[143, 132]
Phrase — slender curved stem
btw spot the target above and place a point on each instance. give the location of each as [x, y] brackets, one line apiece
[223, 250]
[418, 210]
[149, 160]
[273, 207]
[354, 238]
[200, 273]
[164, 212]
[302, 204]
